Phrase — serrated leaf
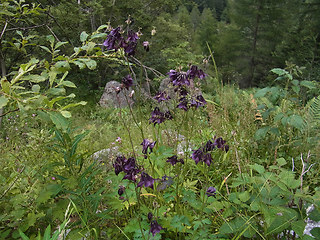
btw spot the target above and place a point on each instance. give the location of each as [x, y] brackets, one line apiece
[261, 133]
[259, 168]
[262, 92]
[244, 196]
[3, 101]
[281, 162]
[83, 36]
[296, 121]
[308, 84]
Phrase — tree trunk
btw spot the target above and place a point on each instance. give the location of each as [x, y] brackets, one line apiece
[3, 73]
[254, 45]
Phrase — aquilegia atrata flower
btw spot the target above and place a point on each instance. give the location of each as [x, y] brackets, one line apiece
[211, 192]
[155, 227]
[146, 181]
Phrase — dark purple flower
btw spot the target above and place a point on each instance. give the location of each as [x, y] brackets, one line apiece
[158, 117]
[226, 148]
[114, 39]
[211, 192]
[147, 144]
[183, 104]
[129, 165]
[209, 146]
[219, 142]
[194, 72]
[207, 159]
[146, 46]
[127, 81]
[182, 91]
[130, 48]
[178, 78]
[199, 101]
[162, 96]
[155, 227]
[174, 160]
[132, 175]
[146, 181]
[121, 190]
[118, 164]
[197, 155]
[150, 216]
[132, 36]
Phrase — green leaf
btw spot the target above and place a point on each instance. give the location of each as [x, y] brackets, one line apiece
[36, 88]
[296, 89]
[3, 101]
[260, 169]
[102, 27]
[46, 49]
[74, 105]
[66, 114]
[57, 91]
[68, 84]
[244, 196]
[281, 162]
[59, 44]
[47, 233]
[62, 65]
[91, 64]
[58, 120]
[261, 133]
[83, 36]
[79, 64]
[308, 84]
[296, 121]
[34, 78]
[98, 35]
[298, 227]
[279, 71]
[262, 92]
[23, 236]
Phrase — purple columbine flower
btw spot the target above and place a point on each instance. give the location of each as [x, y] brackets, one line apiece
[158, 117]
[146, 181]
[146, 144]
[211, 192]
[178, 78]
[155, 227]
[132, 36]
[209, 146]
[162, 96]
[220, 143]
[199, 101]
[174, 160]
[197, 155]
[207, 159]
[121, 190]
[194, 72]
[183, 104]
[127, 81]
[114, 39]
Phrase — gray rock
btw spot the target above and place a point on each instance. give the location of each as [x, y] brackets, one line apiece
[106, 156]
[110, 97]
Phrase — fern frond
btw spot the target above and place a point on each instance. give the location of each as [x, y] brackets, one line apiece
[314, 109]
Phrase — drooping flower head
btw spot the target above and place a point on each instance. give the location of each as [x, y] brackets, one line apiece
[127, 81]
[183, 104]
[178, 78]
[128, 166]
[158, 117]
[211, 192]
[146, 46]
[155, 227]
[162, 96]
[146, 144]
[146, 181]
[174, 160]
[197, 155]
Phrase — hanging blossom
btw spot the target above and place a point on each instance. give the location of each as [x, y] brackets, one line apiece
[115, 41]
[146, 144]
[128, 166]
[203, 154]
[162, 96]
[211, 192]
[127, 82]
[146, 181]
[158, 117]
[185, 103]
[155, 227]
[174, 160]
[180, 78]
